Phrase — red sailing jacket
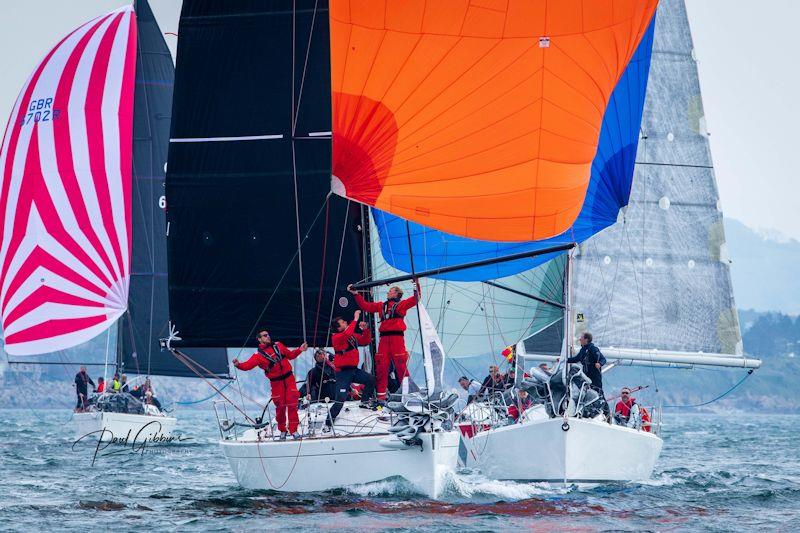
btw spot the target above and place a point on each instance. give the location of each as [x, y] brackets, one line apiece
[279, 365]
[346, 345]
[625, 408]
[392, 312]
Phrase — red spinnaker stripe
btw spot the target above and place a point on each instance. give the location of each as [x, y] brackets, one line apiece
[63, 148]
[54, 328]
[94, 134]
[126, 128]
[43, 295]
[38, 258]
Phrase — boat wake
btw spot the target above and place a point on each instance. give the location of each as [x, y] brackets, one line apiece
[461, 486]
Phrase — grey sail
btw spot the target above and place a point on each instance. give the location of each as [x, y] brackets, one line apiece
[660, 277]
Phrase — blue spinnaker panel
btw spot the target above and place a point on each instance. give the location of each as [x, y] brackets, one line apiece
[608, 191]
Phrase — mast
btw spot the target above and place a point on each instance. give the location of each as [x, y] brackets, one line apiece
[567, 315]
[419, 319]
[366, 250]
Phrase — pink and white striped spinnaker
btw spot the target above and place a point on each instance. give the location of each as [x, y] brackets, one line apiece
[65, 194]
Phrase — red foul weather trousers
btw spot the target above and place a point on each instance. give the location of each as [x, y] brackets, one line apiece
[285, 397]
[390, 348]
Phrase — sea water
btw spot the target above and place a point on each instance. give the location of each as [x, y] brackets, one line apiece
[716, 473]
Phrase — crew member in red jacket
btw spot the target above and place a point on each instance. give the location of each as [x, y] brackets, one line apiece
[392, 347]
[346, 342]
[273, 359]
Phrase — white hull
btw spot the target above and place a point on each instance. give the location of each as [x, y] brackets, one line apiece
[589, 451]
[312, 465]
[107, 425]
[362, 452]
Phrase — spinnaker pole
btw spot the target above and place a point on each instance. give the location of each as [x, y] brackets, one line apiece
[465, 266]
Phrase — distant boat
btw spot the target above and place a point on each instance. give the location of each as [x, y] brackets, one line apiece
[83, 168]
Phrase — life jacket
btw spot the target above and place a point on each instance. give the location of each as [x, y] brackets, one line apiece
[625, 409]
[352, 344]
[278, 366]
[645, 419]
[345, 344]
[390, 310]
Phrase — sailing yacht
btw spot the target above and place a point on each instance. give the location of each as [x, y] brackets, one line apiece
[412, 438]
[291, 122]
[654, 289]
[84, 246]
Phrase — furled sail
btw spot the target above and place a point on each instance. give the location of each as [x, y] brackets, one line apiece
[66, 191]
[608, 192]
[147, 319]
[660, 279]
[433, 353]
[255, 238]
[477, 119]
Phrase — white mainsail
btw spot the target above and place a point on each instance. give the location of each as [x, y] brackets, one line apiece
[660, 278]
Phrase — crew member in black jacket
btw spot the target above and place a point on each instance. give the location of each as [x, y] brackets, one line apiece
[592, 361]
[82, 381]
[320, 380]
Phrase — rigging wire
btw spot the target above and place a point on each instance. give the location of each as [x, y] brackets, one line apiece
[735, 386]
[207, 397]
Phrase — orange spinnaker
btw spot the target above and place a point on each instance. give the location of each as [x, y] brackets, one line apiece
[476, 117]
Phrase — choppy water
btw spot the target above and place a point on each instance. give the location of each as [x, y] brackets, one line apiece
[717, 473]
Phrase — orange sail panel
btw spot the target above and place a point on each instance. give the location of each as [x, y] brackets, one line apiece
[476, 117]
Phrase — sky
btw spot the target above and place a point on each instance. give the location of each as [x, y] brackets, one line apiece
[747, 55]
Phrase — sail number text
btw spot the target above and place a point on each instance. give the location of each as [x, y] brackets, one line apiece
[40, 110]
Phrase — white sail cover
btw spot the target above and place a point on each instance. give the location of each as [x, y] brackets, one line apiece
[433, 353]
[65, 193]
[660, 279]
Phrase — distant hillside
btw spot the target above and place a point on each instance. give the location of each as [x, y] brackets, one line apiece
[774, 337]
[764, 278]
[764, 269]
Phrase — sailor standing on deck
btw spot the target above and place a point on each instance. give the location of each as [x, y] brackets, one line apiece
[82, 381]
[273, 359]
[392, 347]
[592, 361]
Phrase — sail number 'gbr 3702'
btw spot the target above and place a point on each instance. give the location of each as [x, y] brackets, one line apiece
[40, 110]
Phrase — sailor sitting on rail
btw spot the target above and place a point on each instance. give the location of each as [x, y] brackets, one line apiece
[626, 413]
[521, 403]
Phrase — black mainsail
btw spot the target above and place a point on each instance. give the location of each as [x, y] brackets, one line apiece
[148, 306]
[254, 236]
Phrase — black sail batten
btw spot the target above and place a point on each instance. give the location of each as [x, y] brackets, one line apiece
[146, 321]
[252, 89]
